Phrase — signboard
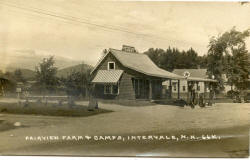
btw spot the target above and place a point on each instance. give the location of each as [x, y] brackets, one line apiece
[186, 74]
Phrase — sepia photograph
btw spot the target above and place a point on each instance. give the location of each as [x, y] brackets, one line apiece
[124, 78]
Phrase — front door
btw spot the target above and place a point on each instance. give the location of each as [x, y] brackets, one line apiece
[141, 88]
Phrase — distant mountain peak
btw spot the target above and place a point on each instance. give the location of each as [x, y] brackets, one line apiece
[29, 59]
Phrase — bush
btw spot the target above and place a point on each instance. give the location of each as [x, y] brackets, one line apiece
[232, 93]
[51, 109]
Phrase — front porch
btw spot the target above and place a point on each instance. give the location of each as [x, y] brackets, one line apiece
[118, 84]
[147, 89]
[141, 89]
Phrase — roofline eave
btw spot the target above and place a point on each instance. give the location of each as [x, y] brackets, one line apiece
[148, 74]
[154, 75]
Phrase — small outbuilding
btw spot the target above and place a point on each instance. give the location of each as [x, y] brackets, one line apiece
[6, 84]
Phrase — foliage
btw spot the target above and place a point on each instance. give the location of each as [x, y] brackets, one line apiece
[172, 58]
[1, 73]
[232, 93]
[46, 75]
[228, 54]
[9, 85]
[77, 82]
[51, 109]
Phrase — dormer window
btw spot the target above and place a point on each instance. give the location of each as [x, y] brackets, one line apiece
[111, 65]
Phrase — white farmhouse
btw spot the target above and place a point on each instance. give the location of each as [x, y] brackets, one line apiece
[196, 76]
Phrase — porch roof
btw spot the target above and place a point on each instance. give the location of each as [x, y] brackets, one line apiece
[195, 74]
[201, 79]
[107, 76]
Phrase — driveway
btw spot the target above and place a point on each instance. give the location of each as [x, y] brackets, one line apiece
[123, 120]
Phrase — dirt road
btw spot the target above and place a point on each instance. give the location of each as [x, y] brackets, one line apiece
[229, 121]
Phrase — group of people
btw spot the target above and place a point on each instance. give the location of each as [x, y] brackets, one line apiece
[194, 97]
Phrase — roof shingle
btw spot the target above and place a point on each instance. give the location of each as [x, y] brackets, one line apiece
[199, 73]
[143, 64]
[195, 74]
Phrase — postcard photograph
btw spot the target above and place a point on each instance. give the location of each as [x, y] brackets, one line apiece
[124, 78]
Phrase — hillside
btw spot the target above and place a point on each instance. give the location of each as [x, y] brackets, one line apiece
[29, 59]
[30, 74]
[26, 73]
[78, 68]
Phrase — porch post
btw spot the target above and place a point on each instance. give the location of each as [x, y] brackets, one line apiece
[178, 89]
[170, 88]
[188, 91]
[197, 91]
[205, 89]
[150, 89]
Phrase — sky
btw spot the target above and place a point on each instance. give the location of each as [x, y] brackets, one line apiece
[81, 29]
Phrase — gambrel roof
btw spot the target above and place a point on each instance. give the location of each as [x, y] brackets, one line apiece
[140, 63]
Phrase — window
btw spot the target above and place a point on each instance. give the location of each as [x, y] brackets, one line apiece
[111, 65]
[111, 89]
[175, 86]
[115, 89]
[184, 88]
[206, 88]
[136, 86]
[107, 89]
[198, 88]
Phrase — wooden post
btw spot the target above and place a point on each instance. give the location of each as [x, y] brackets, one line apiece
[197, 94]
[170, 88]
[150, 90]
[205, 90]
[178, 89]
[188, 91]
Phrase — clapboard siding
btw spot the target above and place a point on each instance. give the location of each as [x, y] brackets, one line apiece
[126, 90]
[110, 58]
[104, 65]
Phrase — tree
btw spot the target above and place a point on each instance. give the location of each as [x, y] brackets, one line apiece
[202, 61]
[46, 75]
[227, 54]
[239, 69]
[172, 58]
[153, 54]
[77, 82]
[191, 59]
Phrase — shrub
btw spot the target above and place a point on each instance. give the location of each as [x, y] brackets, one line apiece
[232, 93]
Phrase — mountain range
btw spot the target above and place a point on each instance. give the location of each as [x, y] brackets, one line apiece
[27, 60]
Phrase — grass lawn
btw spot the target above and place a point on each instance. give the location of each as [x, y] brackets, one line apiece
[4, 126]
[50, 109]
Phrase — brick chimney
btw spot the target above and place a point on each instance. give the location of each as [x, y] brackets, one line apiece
[129, 49]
